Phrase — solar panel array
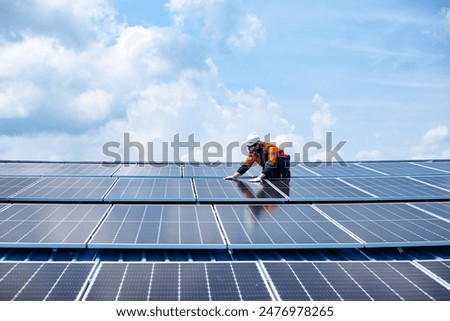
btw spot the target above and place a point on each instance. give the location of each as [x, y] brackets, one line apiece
[189, 207]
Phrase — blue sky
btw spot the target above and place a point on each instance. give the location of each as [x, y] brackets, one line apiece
[75, 75]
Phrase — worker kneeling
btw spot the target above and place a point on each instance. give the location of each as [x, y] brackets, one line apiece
[274, 162]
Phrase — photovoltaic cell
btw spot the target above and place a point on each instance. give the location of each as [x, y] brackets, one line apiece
[439, 165]
[84, 169]
[320, 189]
[397, 188]
[27, 168]
[441, 268]
[353, 281]
[439, 181]
[210, 170]
[49, 225]
[335, 169]
[400, 168]
[219, 190]
[280, 226]
[159, 226]
[149, 170]
[302, 170]
[389, 224]
[43, 281]
[441, 209]
[67, 189]
[9, 186]
[151, 190]
[184, 281]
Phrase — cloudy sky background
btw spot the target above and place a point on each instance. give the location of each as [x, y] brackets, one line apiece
[75, 75]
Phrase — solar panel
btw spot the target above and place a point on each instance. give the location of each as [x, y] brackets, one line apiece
[353, 281]
[210, 170]
[27, 168]
[335, 169]
[400, 168]
[302, 170]
[10, 186]
[443, 182]
[280, 226]
[397, 188]
[151, 190]
[149, 170]
[389, 224]
[83, 169]
[184, 281]
[440, 268]
[49, 225]
[441, 209]
[43, 281]
[443, 166]
[159, 226]
[218, 190]
[321, 189]
[66, 189]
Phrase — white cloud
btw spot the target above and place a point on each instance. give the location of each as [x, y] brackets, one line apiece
[102, 80]
[224, 24]
[93, 105]
[434, 135]
[18, 99]
[321, 120]
[431, 144]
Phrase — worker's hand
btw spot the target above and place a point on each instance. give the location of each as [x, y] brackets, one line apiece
[255, 180]
[229, 178]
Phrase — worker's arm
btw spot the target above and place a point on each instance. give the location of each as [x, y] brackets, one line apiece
[245, 165]
[232, 177]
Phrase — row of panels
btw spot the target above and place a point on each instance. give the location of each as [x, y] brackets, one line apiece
[350, 169]
[184, 190]
[224, 226]
[226, 281]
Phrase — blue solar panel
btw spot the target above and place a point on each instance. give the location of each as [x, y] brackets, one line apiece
[302, 170]
[77, 189]
[320, 189]
[149, 170]
[77, 170]
[159, 226]
[397, 188]
[400, 168]
[27, 168]
[280, 226]
[440, 268]
[9, 186]
[217, 190]
[43, 281]
[151, 190]
[441, 209]
[49, 225]
[389, 224]
[209, 170]
[184, 281]
[443, 166]
[442, 182]
[353, 281]
[334, 169]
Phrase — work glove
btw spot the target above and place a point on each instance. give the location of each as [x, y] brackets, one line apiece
[255, 180]
[229, 178]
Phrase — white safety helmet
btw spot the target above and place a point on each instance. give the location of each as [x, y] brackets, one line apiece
[252, 139]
